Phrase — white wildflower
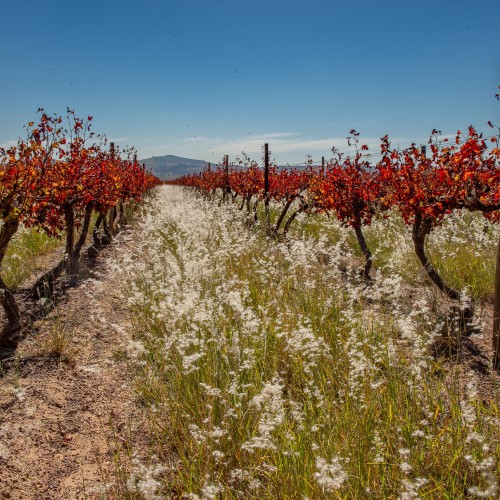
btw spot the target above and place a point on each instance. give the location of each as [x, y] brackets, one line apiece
[210, 491]
[329, 475]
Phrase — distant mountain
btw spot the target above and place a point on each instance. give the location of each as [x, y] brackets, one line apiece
[171, 167]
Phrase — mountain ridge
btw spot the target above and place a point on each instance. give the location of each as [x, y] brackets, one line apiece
[168, 167]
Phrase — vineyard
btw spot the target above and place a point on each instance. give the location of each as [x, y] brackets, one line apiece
[422, 190]
[318, 332]
[54, 180]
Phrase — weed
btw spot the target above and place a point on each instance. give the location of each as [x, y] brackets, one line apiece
[271, 372]
[23, 255]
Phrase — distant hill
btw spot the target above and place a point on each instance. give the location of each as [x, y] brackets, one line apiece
[171, 167]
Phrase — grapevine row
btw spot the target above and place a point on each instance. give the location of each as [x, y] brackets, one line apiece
[464, 174]
[53, 180]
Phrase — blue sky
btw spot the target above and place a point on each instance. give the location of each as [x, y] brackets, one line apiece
[202, 79]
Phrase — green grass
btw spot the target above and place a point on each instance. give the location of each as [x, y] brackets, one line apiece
[270, 375]
[463, 249]
[23, 255]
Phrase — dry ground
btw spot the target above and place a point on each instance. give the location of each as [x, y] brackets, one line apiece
[67, 411]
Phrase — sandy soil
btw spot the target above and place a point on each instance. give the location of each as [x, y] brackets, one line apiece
[69, 422]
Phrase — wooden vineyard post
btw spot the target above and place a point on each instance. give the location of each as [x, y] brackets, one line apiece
[266, 187]
[111, 220]
[209, 192]
[121, 207]
[496, 315]
[225, 195]
[322, 166]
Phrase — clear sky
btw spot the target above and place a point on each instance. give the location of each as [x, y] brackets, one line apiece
[202, 79]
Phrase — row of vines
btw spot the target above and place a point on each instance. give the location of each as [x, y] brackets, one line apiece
[463, 174]
[54, 180]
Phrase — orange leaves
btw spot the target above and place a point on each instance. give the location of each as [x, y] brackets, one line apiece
[461, 175]
[442, 175]
[467, 176]
[58, 166]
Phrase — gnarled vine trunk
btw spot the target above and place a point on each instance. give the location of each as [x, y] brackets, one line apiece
[110, 223]
[421, 229]
[496, 315]
[255, 206]
[96, 238]
[120, 215]
[7, 298]
[69, 218]
[44, 286]
[366, 251]
[83, 234]
[282, 215]
[292, 217]
[107, 236]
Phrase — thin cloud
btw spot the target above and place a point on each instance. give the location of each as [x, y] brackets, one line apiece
[280, 144]
[285, 147]
[194, 138]
[119, 139]
[275, 135]
[291, 148]
[8, 144]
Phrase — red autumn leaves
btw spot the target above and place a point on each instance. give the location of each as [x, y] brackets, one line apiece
[53, 180]
[464, 175]
[61, 164]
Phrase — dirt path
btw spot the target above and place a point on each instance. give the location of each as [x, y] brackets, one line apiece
[64, 419]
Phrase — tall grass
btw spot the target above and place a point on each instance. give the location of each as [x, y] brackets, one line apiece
[463, 249]
[24, 255]
[271, 372]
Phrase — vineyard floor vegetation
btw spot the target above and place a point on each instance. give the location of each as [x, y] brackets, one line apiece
[273, 370]
[25, 256]
[208, 360]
